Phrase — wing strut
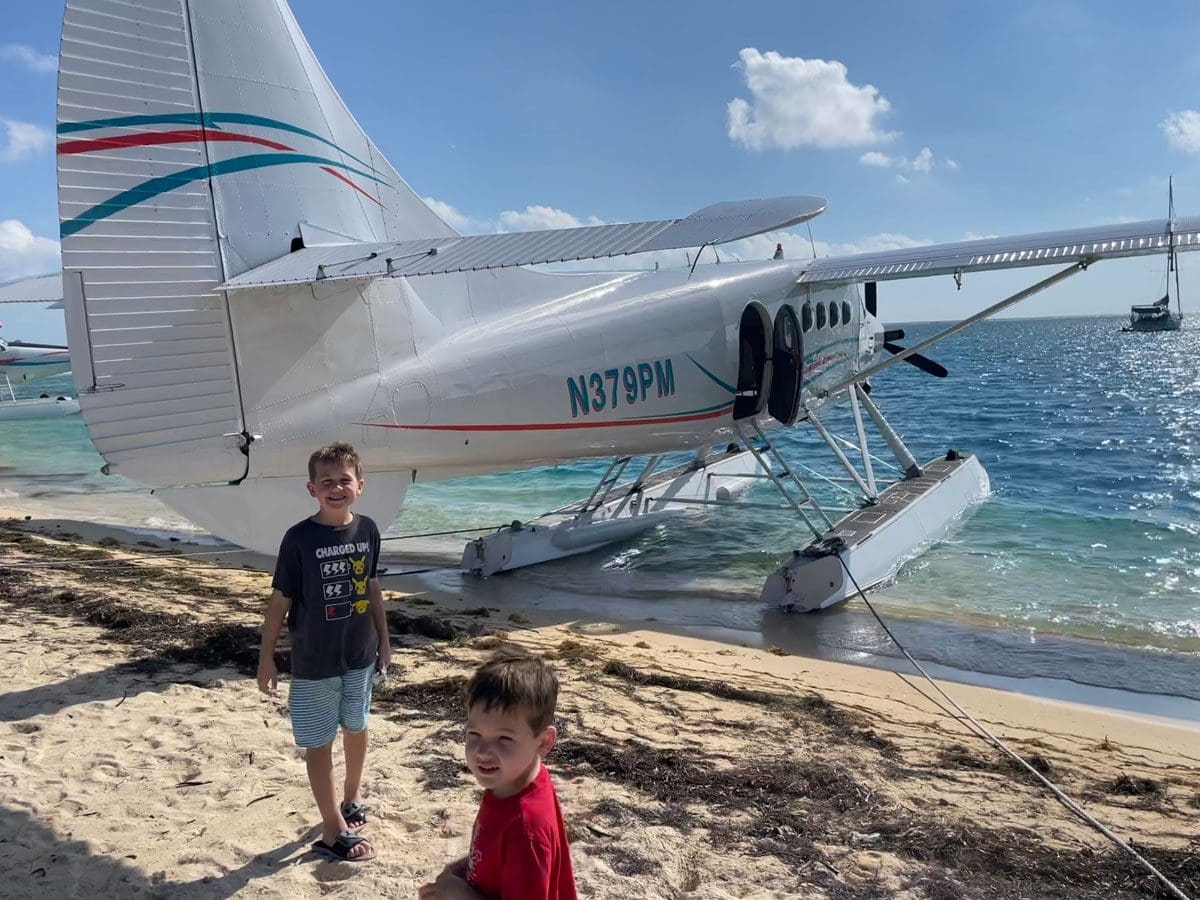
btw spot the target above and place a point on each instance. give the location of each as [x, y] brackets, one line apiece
[1004, 304]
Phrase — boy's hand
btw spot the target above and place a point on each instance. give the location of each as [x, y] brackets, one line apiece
[268, 677]
[385, 656]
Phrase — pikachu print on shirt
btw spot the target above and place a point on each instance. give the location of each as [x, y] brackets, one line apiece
[344, 580]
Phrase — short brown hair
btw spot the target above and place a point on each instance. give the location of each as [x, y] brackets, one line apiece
[514, 679]
[339, 454]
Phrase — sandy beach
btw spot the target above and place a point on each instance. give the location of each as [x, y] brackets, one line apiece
[138, 759]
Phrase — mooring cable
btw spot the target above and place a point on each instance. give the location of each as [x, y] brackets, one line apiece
[836, 546]
[405, 537]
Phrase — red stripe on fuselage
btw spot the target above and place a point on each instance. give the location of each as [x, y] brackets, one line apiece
[823, 360]
[163, 137]
[558, 426]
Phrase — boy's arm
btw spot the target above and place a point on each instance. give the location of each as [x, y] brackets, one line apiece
[277, 609]
[378, 609]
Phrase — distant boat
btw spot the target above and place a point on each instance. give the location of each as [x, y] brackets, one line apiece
[1154, 317]
[1157, 316]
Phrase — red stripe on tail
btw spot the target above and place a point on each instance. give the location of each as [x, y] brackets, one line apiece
[163, 137]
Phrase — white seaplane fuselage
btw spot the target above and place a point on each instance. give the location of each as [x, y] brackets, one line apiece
[634, 364]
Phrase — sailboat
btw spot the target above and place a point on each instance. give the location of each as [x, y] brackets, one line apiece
[1157, 316]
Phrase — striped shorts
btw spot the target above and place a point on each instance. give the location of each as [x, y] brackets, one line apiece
[318, 705]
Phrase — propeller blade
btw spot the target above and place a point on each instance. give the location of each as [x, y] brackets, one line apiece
[893, 334]
[924, 363]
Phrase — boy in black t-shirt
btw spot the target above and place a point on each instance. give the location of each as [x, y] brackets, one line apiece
[325, 584]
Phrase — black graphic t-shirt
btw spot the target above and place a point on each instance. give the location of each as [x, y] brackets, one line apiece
[324, 571]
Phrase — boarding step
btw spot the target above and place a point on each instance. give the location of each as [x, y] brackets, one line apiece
[767, 457]
[607, 481]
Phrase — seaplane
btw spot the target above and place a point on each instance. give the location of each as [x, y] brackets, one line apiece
[24, 361]
[246, 277]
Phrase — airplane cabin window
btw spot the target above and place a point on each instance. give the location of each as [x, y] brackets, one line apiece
[806, 317]
[833, 315]
[820, 315]
[846, 317]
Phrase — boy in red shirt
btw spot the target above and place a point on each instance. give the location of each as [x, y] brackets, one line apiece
[519, 846]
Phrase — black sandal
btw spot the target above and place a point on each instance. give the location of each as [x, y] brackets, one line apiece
[355, 815]
[340, 850]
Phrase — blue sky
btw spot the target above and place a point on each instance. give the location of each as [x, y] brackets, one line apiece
[922, 122]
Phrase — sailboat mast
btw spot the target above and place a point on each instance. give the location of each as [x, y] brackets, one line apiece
[1172, 265]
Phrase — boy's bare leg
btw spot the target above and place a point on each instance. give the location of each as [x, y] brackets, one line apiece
[319, 762]
[354, 743]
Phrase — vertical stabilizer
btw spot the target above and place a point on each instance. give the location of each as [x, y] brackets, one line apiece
[194, 138]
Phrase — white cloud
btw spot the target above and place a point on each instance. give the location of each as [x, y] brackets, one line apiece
[23, 140]
[976, 236]
[1183, 130]
[762, 246]
[29, 58]
[875, 158]
[923, 162]
[877, 243]
[803, 103]
[537, 218]
[798, 246]
[951, 165]
[459, 221]
[903, 179]
[22, 253]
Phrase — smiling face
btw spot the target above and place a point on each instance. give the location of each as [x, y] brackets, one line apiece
[504, 753]
[336, 486]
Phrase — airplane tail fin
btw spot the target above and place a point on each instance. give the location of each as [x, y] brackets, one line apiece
[194, 139]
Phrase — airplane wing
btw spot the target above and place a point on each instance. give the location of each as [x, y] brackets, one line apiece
[716, 224]
[38, 289]
[1048, 248]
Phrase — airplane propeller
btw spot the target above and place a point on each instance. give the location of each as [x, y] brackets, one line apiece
[924, 363]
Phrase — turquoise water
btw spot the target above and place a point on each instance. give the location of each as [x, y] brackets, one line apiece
[1090, 544]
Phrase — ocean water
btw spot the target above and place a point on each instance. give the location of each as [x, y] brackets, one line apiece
[1084, 564]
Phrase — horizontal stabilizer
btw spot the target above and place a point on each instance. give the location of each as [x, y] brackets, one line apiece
[38, 289]
[716, 224]
[1048, 248]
